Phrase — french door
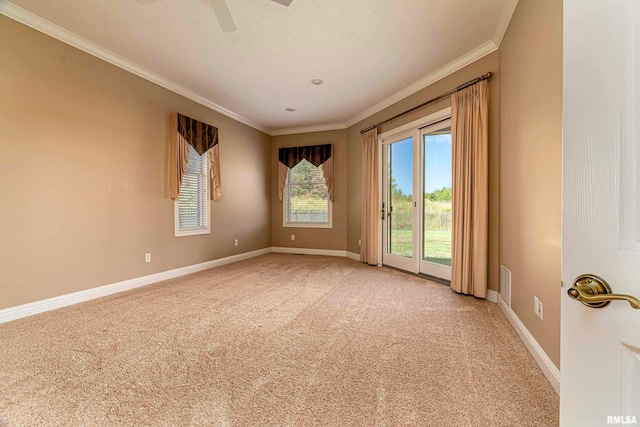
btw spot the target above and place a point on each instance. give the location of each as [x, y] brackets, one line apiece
[416, 199]
[399, 217]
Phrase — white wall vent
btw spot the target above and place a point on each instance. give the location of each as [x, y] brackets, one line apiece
[505, 285]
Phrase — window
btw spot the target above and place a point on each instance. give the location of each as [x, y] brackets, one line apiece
[192, 206]
[306, 198]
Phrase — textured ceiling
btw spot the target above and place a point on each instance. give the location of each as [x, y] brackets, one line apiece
[365, 50]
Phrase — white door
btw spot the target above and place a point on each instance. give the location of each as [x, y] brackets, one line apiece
[600, 347]
[399, 235]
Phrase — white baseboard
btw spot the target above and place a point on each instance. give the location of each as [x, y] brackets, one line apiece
[492, 296]
[305, 251]
[17, 312]
[353, 255]
[549, 369]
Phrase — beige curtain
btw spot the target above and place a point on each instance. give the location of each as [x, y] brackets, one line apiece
[178, 159]
[470, 139]
[327, 173]
[282, 179]
[369, 212]
[214, 170]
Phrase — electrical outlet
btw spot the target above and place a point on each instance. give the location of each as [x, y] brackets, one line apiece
[540, 311]
[293, 237]
[359, 242]
[535, 305]
[236, 242]
[147, 257]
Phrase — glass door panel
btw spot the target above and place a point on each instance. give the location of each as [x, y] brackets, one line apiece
[400, 198]
[436, 203]
[399, 219]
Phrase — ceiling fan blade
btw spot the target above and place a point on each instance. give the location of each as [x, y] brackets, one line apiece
[224, 15]
[283, 2]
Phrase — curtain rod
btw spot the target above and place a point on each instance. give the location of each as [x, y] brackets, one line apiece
[436, 99]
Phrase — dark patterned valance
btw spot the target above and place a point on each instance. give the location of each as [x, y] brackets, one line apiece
[200, 136]
[314, 154]
[184, 134]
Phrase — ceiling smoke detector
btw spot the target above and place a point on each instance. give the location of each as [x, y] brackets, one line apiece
[290, 109]
[317, 82]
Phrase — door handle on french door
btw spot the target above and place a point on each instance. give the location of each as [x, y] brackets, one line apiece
[595, 292]
[382, 212]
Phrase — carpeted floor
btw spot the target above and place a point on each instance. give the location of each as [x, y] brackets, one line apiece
[278, 340]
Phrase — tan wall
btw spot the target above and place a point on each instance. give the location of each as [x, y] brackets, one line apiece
[312, 238]
[531, 158]
[354, 141]
[84, 174]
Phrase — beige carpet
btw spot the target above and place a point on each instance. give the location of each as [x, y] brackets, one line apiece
[279, 340]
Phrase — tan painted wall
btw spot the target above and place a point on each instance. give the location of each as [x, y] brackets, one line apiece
[312, 238]
[354, 141]
[531, 158]
[84, 174]
[83, 171]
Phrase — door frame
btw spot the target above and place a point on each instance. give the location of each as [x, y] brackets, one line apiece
[414, 126]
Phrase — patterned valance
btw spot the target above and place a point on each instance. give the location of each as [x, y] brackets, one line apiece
[314, 154]
[200, 136]
[317, 155]
[186, 133]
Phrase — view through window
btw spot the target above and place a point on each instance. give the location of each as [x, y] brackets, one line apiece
[306, 196]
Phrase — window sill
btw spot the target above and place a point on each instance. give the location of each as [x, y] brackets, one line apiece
[306, 225]
[194, 232]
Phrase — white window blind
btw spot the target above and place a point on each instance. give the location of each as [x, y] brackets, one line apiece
[306, 196]
[192, 212]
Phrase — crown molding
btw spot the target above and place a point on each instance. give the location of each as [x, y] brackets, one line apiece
[31, 20]
[481, 51]
[308, 129]
[503, 22]
[49, 28]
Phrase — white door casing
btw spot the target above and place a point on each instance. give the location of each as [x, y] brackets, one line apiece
[600, 347]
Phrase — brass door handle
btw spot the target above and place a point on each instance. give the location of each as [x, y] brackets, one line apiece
[595, 292]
